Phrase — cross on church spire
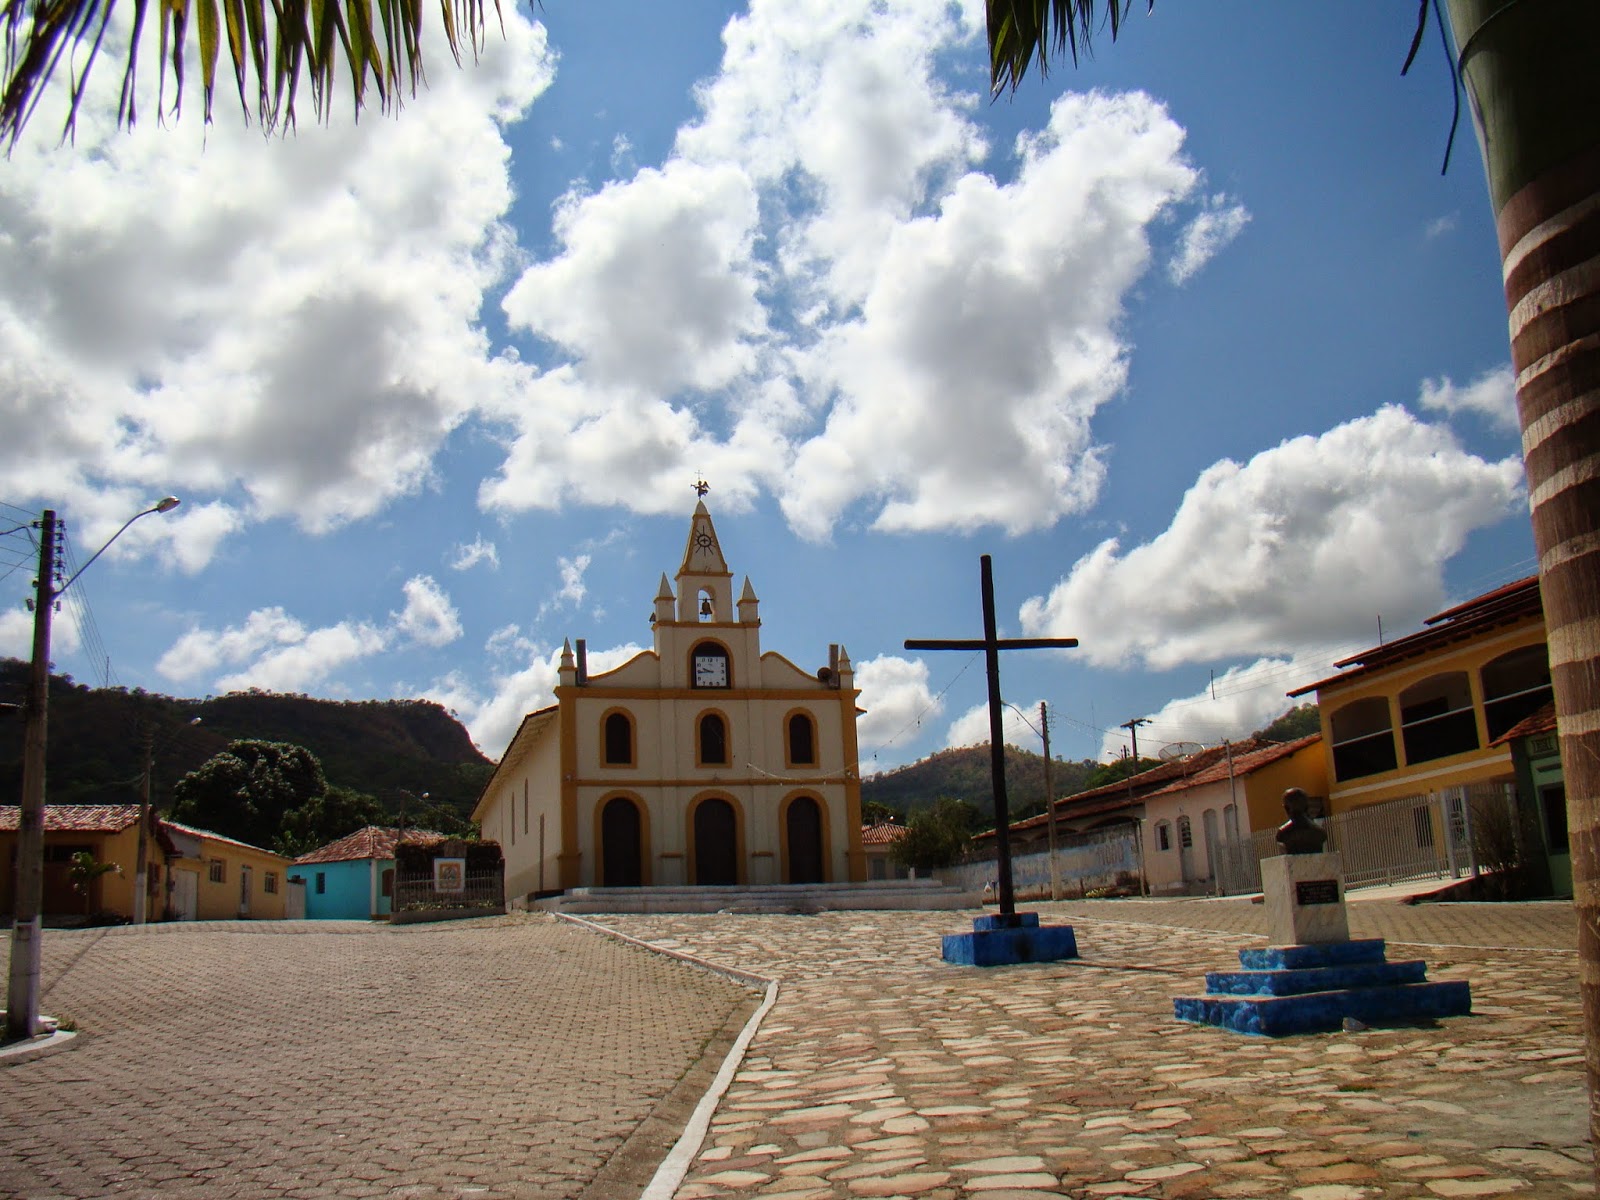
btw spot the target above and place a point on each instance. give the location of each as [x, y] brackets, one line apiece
[991, 645]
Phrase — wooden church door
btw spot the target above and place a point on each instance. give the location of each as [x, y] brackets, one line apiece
[803, 829]
[619, 844]
[716, 852]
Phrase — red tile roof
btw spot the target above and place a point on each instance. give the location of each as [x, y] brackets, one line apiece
[373, 841]
[1541, 720]
[1126, 793]
[884, 833]
[1243, 764]
[76, 818]
[195, 831]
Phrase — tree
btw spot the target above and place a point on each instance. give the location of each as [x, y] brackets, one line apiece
[873, 813]
[272, 48]
[1299, 721]
[83, 872]
[337, 812]
[935, 837]
[245, 791]
[1529, 75]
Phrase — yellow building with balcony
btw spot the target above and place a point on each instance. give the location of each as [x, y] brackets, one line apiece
[1423, 713]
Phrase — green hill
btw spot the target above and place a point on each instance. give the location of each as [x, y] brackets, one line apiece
[379, 747]
[965, 774]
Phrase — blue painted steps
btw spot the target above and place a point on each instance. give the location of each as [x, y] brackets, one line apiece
[1312, 989]
[1004, 939]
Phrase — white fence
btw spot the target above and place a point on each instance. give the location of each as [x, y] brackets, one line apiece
[1084, 862]
[1397, 841]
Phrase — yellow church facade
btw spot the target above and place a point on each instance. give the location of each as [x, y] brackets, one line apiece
[702, 761]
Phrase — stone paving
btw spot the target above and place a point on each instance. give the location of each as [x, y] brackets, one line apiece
[883, 1071]
[501, 1058]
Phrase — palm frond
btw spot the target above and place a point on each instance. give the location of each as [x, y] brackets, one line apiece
[1024, 31]
[274, 43]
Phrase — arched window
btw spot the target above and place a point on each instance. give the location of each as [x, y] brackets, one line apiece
[802, 740]
[618, 740]
[1163, 836]
[712, 750]
[1436, 717]
[1515, 685]
[1363, 739]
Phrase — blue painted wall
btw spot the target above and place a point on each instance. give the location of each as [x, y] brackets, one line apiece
[346, 892]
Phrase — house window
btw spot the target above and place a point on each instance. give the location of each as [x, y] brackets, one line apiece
[1163, 836]
[1515, 686]
[1363, 739]
[270, 883]
[1436, 718]
[713, 748]
[802, 740]
[322, 883]
[386, 883]
[1185, 833]
[218, 872]
[618, 740]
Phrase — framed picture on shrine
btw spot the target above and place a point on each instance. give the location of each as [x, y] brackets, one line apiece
[449, 874]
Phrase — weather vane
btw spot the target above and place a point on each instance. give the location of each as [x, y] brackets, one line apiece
[701, 487]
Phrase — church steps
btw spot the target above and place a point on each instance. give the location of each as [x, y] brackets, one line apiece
[916, 894]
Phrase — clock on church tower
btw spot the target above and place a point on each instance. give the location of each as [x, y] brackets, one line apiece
[710, 666]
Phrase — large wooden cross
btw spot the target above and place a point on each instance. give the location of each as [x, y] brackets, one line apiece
[991, 645]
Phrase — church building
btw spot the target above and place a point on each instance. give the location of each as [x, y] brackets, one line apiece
[700, 761]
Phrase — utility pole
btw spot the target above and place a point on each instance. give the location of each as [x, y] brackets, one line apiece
[22, 993]
[1050, 801]
[1133, 763]
[141, 870]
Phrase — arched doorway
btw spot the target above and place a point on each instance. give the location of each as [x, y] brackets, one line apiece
[716, 843]
[803, 832]
[620, 849]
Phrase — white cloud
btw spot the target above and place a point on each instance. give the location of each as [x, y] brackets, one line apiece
[290, 322]
[508, 640]
[429, 617]
[466, 556]
[1440, 226]
[492, 719]
[308, 662]
[894, 691]
[971, 728]
[806, 295]
[1492, 396]
[201, 651]
[1305, 542]
[1220, 221]
[1236, 703]
[572, 587]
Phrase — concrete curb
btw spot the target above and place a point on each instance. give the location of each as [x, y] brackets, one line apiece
[669, 1175]
[18, 1053]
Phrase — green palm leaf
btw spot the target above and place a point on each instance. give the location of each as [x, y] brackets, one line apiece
[273, 42]
[1024, 31]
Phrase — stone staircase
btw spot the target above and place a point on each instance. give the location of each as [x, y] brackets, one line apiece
[917, 894]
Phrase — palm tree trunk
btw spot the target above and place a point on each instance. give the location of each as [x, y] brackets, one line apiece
[1530, 75]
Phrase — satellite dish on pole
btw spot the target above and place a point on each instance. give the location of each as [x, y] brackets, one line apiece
[1173, 751]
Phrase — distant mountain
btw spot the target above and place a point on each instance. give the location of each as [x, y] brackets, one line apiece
[96, 740]
[965, 774]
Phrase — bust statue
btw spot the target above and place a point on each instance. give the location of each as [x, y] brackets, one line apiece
[1299, 835]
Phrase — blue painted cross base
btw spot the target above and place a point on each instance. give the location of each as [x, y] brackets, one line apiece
[1002, 939]
[1312, 989]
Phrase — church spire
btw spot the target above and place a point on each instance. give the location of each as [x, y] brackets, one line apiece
[702, 554]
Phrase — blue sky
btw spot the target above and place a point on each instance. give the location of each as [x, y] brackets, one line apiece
[1194, 340]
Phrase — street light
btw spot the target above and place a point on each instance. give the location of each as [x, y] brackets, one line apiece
[22, 995]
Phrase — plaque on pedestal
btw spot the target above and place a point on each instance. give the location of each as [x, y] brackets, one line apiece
[1304, 896]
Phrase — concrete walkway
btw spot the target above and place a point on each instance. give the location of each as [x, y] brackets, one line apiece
[883, 1071]
[495, 1059]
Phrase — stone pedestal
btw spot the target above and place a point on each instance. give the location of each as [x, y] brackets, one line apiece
[1311, 977]
[1001, 939]
[1304, 895]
